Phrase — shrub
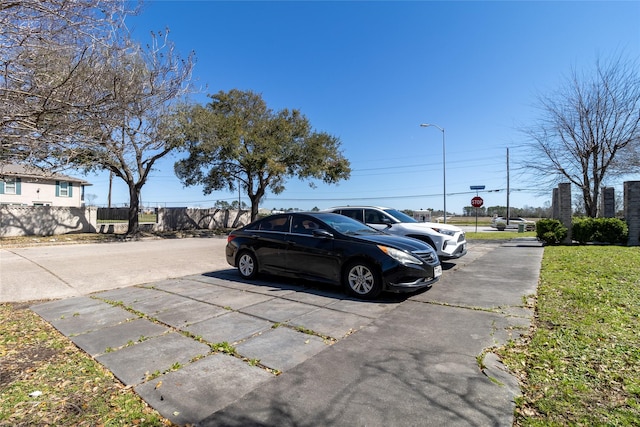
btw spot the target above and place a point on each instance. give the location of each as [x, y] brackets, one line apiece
[551, 231]
[582, 229]
[610, 230]
[601, 230]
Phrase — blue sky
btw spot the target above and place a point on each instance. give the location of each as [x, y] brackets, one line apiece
[371, 72]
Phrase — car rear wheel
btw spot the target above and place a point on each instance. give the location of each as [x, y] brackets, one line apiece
[362, 281]
[247, 265]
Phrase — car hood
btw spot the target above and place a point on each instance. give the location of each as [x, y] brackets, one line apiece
[423, 225]
[400, 242]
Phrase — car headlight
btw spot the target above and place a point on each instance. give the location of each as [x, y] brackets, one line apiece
[400, 256]
[445, 231]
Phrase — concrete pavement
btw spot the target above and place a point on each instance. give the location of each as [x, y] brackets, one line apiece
[62, 271]
[303, 354]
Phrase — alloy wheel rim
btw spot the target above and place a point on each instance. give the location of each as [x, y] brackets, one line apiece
[361, 279]
[246, 265]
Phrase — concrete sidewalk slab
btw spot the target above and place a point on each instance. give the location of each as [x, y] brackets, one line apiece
[89, 318]
[63, 308]
[331, 323]
[190, 394]
[133, 364]
[113, 337]
[231, 327]
[278, 310]
[282, 348]
[188, 313]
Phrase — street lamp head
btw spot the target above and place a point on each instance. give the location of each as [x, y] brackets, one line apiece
[426, 125]
[444, 173]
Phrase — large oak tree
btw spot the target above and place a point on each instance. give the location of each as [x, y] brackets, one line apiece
[237, 140]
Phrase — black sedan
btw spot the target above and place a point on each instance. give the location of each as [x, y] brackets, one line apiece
[332, 248]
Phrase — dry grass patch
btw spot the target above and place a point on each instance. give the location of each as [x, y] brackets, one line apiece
[46, 380]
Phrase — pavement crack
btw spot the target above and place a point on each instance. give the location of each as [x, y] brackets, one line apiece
[41, 267]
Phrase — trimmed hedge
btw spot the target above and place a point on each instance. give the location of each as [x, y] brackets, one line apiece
[599, 230]
[583, 230]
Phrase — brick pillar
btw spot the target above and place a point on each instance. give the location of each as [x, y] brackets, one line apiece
[608, 203]
[555, 204]
[566, 210]
[632, 211]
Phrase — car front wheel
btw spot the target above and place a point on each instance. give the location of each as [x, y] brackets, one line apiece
[247, 265]
[362, 280]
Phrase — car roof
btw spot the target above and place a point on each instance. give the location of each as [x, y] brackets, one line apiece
[359, 207]
[318, 214]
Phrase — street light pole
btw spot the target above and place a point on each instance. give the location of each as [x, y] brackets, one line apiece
[444, 168]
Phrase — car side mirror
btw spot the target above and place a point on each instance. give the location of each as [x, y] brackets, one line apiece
[323, 234]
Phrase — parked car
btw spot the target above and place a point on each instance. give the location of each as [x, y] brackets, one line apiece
[449, 241]
[514, 222]
[332, 248]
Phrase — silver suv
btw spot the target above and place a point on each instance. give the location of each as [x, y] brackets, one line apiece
[448, 240]
[514, 222]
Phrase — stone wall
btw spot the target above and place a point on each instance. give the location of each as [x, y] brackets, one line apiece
[49, 221]
[200, 219]
[46, 220]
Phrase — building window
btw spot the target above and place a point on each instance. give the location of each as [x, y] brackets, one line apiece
[10, 186]
[63, 189]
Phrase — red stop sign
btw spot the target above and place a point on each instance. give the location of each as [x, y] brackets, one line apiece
[477, 202]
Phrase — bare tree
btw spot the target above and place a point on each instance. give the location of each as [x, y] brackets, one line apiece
[127, 138]
[76, 91]
[589, 129]
[48, 54]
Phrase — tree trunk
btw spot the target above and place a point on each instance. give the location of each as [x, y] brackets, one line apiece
[134, 208]
[255, 200]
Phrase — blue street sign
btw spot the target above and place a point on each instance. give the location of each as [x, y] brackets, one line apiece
[477, 187]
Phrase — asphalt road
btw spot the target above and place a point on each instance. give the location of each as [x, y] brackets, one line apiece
[62, 271]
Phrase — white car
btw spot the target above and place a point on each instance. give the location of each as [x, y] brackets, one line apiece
[448, 240]
[514, 222]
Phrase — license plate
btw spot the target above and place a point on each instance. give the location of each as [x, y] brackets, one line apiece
[437, 271]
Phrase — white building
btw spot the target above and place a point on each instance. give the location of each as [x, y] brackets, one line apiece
[27, 186]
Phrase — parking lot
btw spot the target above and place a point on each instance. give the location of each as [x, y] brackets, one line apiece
[303, 354]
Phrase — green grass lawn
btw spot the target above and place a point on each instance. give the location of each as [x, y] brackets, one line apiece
[497, 235]
[581, 364]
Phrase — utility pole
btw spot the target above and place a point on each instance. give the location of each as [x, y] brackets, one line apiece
[110, 184]
[508, 208]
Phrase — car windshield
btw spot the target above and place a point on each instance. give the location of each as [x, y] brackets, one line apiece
[345, 225]
[400, 216]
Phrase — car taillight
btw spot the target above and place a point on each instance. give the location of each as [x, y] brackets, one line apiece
[230, 237]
